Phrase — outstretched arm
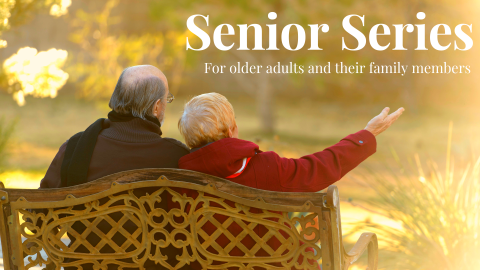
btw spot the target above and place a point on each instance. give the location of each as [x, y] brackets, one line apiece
[317, 171]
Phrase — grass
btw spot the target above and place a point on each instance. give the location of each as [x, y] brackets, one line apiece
[6, 130]
[304, 126]
[439, 213]
[21, 179]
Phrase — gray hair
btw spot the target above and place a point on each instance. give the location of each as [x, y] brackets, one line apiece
[137, 96]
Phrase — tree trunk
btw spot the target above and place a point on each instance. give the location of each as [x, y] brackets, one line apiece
[265, 104]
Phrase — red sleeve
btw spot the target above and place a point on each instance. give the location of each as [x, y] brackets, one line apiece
[52, 178]
[317, 171]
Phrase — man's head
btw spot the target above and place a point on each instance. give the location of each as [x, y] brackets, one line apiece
[141, 91]
[207, 118]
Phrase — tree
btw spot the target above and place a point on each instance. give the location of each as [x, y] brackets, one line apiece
[406, 90]
[29, 72]
[106, 48]
[264, 87]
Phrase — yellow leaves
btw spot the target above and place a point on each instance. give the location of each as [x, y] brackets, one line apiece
[111, 55]
[61, 9]
[39, 74]
[106, 52]
[30, 72]
[179, 39]
[5, 8]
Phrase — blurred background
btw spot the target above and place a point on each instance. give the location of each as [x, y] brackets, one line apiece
[421, 190]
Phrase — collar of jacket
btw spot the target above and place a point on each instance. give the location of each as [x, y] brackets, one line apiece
[136, 130]
[198, 148]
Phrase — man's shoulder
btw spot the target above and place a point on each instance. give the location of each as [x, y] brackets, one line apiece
[177, 144]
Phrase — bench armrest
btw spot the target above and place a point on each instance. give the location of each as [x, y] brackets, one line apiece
[366, 240]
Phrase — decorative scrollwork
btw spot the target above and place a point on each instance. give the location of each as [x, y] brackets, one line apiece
[129, 229]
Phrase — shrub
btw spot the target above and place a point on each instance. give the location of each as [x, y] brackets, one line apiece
[439, 210]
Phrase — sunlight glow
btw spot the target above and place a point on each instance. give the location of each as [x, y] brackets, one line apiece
[21, 179]
[30, 72]
[422, 179]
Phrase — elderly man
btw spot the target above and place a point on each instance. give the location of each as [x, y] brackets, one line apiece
[129, 139]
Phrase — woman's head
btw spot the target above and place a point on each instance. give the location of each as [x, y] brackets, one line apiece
[207, 118]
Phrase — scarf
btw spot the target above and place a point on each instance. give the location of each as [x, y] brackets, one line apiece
[118, 117]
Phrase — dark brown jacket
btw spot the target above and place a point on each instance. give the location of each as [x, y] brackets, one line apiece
[122, 146]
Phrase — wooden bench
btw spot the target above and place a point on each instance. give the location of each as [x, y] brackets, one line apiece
[34, 225]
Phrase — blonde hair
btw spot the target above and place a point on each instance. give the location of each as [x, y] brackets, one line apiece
[206, 118]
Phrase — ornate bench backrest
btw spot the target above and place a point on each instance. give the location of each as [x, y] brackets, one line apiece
[168, 217]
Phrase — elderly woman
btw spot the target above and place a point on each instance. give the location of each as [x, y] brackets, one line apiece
[209, 128]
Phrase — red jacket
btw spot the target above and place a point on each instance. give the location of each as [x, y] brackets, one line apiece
[242, 162]
[269, 171]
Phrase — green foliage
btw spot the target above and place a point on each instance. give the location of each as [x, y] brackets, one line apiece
[440, 213]
[6, 130]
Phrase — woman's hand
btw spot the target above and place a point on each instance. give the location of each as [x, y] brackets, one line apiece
[382, 121]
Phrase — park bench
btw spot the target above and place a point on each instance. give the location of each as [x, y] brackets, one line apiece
[34, 225]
